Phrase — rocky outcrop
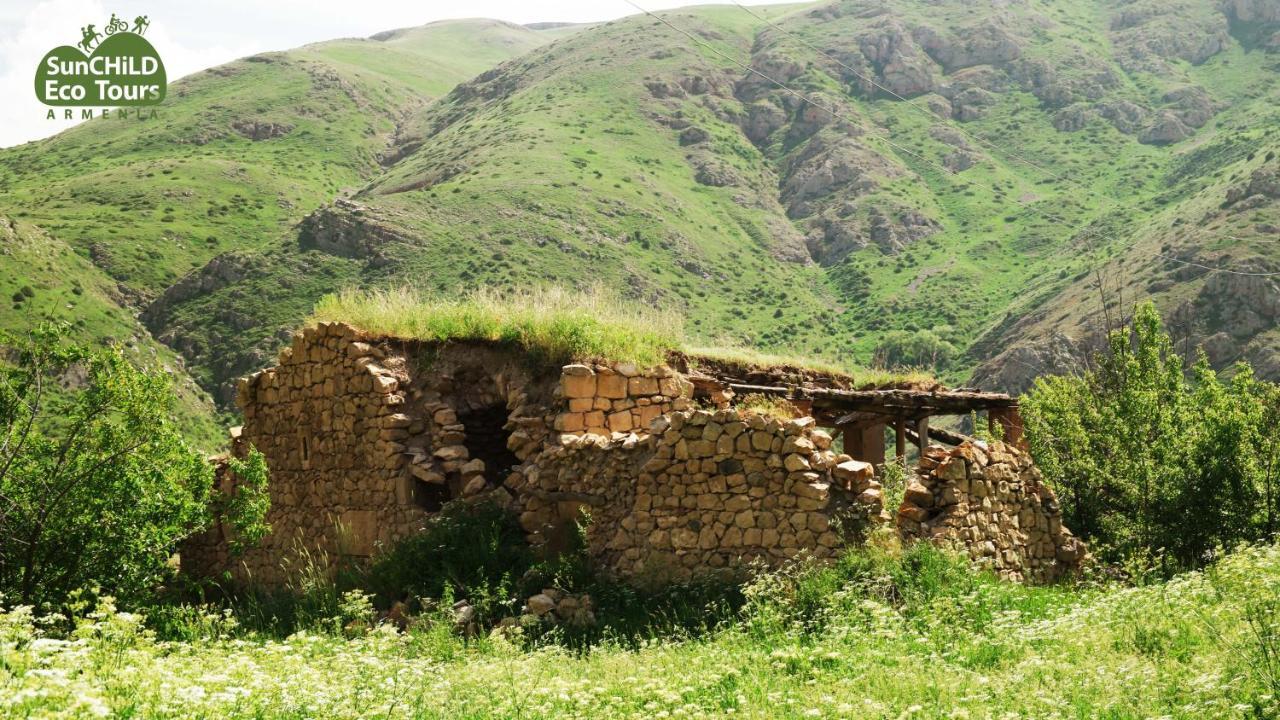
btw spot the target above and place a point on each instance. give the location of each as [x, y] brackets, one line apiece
[832, 238]
[693, 135]
[220, 272]
[824, 166]
[986, 44]
[1191, 104]
[1241, 305]
[1263, 184]
[1167, 128]
[990, 500]
[1015, 368]
[1148, 34]
[261, 129]
[902, 66]
[1073, 117]
[971, 104]
[346, 229]
[1127, 117]
[1252, 11]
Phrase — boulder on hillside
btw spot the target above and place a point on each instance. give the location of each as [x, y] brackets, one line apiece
[1073, 117]
[972, 104]
[1191, 104]
[693, 135]
[1166, 129]
[1125, 116]
[261, 129]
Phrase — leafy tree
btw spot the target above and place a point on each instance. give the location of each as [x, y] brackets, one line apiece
[1151, 459]
[922, 348]
[96, 484]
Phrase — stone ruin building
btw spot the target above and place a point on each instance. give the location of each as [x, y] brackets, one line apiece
[667, 470]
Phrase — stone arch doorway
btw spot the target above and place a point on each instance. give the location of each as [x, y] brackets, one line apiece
[479, 400]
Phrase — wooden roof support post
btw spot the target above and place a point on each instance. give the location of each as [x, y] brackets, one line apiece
[922, 433]
[900, 430]
[864, 441]
[1010, 422]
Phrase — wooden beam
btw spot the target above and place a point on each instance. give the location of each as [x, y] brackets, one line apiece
[922, 433]
[900, 440]
[913, 402]
[946, 436]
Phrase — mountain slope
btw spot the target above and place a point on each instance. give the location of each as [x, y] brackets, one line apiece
[938, 182]
[239, 154]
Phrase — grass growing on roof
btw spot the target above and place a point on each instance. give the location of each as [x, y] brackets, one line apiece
[560, 324]
[755, 359]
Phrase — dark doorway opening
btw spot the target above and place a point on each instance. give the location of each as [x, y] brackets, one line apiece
[487, 441]
[430, 496]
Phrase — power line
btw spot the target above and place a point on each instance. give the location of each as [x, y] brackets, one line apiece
[804, 98]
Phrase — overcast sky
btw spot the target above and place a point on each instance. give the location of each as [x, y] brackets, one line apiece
[191, 36]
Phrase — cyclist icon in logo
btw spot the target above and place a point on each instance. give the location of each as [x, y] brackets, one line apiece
[116, 25]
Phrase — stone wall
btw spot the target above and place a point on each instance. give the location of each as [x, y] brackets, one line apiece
[366, 438]
[698, 490]
[604, 399]
[992, 501]
[363, 445]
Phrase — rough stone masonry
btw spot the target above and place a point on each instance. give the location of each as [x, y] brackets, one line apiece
[367, 438]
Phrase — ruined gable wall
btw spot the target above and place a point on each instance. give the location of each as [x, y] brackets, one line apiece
[601, 399]
[324, 418]
[364, 440]
[991, 500]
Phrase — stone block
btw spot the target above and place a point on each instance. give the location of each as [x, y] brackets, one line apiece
[621, 421]
[796, 463]
[918, 494]
[613, 387]
[853, 472]
[638, 386]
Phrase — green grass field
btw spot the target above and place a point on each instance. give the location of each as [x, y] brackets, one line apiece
[911, 635]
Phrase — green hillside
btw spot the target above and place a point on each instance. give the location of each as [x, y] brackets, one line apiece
[904, 182]
[239, 155]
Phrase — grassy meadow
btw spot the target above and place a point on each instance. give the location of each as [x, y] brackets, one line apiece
[884, 633]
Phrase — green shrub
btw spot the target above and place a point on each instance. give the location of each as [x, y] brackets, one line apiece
[97, 486]
[475, 552]
[1153, 462]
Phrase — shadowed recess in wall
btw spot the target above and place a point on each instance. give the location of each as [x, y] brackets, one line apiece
[487, 436]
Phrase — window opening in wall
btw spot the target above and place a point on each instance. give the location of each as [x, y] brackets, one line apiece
[487, 440]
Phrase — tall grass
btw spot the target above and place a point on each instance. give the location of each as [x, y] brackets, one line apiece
[561, 325]
[555, 323]
[755, 359]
